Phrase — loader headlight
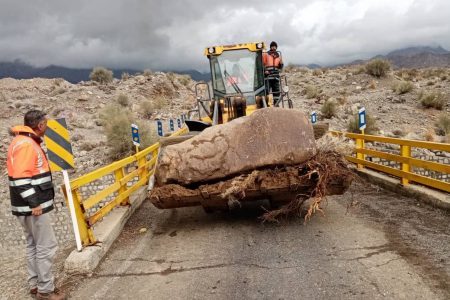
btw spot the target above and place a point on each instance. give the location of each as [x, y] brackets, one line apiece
[211, 50]
[259, 45]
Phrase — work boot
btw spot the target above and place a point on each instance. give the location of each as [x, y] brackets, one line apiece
[55, 295]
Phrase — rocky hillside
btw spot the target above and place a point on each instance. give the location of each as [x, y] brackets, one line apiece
[82, 103]
[395, 114]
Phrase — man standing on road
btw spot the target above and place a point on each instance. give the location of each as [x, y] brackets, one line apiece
[273, 64]
[32, 193]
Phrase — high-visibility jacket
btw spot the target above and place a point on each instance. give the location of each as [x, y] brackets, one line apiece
[272, 59]
[30, 179]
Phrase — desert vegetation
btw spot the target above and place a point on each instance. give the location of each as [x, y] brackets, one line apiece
[101, 75]
[378, 67]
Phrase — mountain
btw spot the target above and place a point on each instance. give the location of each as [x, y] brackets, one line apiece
[414, 57]
[21, 70]
[419, 57]
[411, 51]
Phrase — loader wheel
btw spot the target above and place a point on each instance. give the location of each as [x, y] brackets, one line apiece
[208, 210]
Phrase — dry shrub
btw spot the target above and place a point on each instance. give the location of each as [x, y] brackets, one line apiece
[146, 108]
[359, 70]
[311, 91]
[407, 74]
[159, 102]
[185, 79]
[125, 76]
[373, 84]
[378, 67]
[303, 70]
[398, 132]
[430, 83]
[443, 124]
[58, 91]
[101, 75]
[342, 100]
[147, 73]
[317, 72]
[429, 136]
[122, 100]
[336, 143]
[171, 76]
[371, 127]
[87, 146]
[432, 100]
[290, 68]
[117, 126]
[58, 81]
[431, 73]
[402, 87]
[329, 109]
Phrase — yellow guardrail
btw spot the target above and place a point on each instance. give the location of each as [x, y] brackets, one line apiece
[406, 161]
[125, 184]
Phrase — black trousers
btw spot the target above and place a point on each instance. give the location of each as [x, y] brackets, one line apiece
[273, 84]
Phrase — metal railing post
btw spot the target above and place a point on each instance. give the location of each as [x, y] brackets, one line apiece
[361, 156]
[154, 154]
[118, 175]
[405, 151]
[86, 233]
[141, 163]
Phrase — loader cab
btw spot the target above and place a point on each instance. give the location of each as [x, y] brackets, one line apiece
[237, 72]
[237, 82]
[237, 87]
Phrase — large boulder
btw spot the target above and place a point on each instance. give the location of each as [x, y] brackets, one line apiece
[268, 137]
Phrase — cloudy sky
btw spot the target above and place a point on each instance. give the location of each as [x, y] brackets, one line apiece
[168, 34]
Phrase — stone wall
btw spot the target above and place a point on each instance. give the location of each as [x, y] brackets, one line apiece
[426, 155]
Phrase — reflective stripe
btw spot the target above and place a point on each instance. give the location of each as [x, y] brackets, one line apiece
[28, 193]
[19, 182]
[41, 180]
[28, 209]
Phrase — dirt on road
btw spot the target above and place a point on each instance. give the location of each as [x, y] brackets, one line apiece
[370, 244]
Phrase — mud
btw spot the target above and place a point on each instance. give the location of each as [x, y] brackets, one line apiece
[417, 232]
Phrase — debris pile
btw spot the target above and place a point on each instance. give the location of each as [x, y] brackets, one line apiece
[269, 155]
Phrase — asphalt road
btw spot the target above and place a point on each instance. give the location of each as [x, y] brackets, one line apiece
[371, 244]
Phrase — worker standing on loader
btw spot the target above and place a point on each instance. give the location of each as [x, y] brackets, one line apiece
[273, 64]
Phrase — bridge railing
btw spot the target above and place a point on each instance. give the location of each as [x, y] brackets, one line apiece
[402, 157]
[126, 176]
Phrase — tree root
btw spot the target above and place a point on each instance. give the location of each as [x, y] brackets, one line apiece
[324, 167]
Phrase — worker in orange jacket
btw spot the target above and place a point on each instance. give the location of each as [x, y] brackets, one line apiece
[273, 64]
[32, 193]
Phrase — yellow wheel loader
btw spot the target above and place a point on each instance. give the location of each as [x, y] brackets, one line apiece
[238, 84]
[260, 151]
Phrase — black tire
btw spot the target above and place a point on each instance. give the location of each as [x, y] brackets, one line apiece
[208, 210]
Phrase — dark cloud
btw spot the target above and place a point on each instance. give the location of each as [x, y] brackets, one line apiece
[172, 34]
